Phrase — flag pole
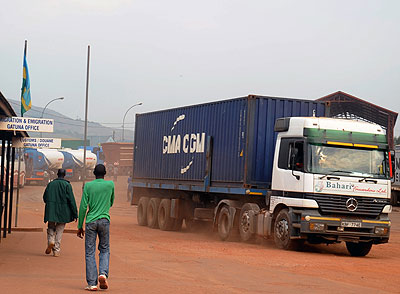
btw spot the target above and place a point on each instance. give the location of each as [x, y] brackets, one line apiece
[23, 68]
[86, 118]
[19, 151]
[26, 46]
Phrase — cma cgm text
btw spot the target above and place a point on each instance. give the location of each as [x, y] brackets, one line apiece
[189, 143]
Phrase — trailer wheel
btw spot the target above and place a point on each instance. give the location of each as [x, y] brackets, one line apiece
[142, 211]
[165, 221]
[358, 249]
[152, 213]
[226, 231]
[282, 232]
[245, 221]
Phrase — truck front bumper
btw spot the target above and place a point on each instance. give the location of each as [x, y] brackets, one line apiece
[345, 228]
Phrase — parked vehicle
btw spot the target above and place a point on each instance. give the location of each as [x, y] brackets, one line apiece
[117, 154]
[97, 150]
[396, 176]
[264, 166]
[42, 165]
[73, 163]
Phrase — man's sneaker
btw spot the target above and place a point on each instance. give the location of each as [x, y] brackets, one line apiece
[56, 253]
[91, 288]
[103, 282]
[49, 248]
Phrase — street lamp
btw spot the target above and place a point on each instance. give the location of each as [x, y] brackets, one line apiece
[123, 121]
[60, 98]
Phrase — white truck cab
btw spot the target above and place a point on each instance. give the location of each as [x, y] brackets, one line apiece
[334, 176]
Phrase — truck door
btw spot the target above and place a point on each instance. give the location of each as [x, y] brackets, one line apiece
[288, 175]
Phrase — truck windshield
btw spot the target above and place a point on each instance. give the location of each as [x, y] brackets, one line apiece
[357, 162]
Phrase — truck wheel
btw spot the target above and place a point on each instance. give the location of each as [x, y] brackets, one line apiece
[282, 232]
[358, 249]
[225, 231]
[245, 221]
[165, 221]
[142, 211]
[152, 212]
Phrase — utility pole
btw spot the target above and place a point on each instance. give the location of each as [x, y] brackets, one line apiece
[86, 118]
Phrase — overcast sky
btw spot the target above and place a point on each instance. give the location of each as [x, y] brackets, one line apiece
[174, 53]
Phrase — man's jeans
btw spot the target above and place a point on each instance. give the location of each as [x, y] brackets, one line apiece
[100, 227]
[54, 234]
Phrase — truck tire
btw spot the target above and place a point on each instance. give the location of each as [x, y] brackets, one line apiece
[358, 249]
[226, 231]
[142, 211]
[152, 213]
[282, 232]
[245, 221]
[165, 221]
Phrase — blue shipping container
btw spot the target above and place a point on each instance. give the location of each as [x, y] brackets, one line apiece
[171, 146]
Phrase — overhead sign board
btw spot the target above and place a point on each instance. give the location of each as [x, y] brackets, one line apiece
[37, 143]
[27, 124]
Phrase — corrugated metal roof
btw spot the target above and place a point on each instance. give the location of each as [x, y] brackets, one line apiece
[345, 105]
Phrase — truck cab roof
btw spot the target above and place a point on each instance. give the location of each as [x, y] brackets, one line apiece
[294, 126]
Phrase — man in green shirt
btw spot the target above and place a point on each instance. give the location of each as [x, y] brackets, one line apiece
[60, 209]
[97, 198]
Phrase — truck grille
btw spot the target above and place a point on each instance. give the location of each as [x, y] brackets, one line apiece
[336, 204]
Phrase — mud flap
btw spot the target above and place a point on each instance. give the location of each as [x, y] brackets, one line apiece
[175, 208]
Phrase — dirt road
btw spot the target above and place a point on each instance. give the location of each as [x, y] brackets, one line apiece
[145, 260]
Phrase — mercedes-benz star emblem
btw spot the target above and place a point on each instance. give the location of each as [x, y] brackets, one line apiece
[351, 204]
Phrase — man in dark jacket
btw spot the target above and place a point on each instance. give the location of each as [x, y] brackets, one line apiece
[60, 209]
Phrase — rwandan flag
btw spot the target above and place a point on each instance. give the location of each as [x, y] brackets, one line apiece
[26, 88]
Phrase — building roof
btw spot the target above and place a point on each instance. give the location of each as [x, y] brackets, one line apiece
[341, 104]
[6, 110]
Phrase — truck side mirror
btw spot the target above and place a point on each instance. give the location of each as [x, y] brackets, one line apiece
[292, 162]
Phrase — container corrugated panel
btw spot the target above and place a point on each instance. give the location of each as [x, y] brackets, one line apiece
[264, 111]
[172, 144]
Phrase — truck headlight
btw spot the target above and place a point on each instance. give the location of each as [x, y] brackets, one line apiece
[317, 227]
[381, 230]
